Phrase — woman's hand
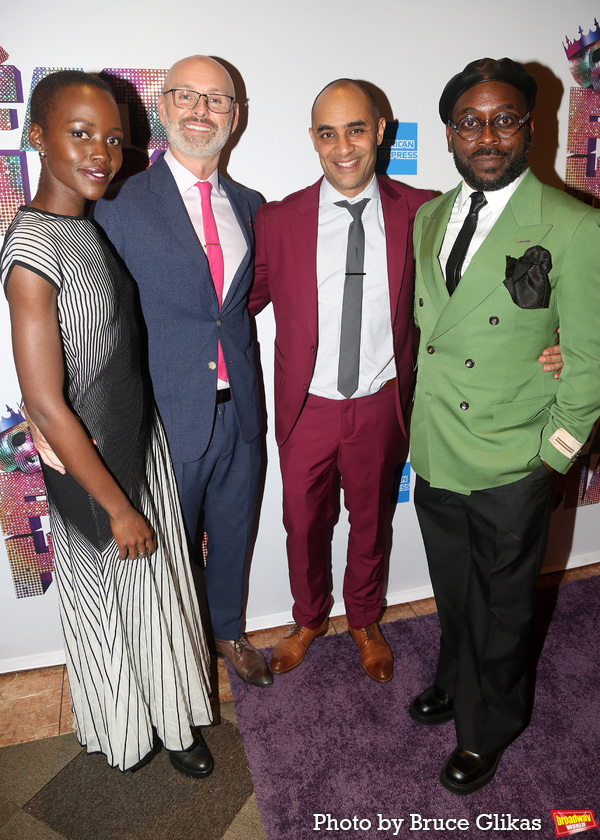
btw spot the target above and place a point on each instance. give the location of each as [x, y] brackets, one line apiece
[133, 535]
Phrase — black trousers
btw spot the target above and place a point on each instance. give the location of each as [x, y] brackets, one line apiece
[485, 552]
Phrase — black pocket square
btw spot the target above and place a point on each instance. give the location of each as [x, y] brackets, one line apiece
[527, 278]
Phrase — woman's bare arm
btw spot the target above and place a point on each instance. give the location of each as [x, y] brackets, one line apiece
[39, 362]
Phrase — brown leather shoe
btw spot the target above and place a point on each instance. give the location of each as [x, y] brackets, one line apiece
[375, 654]
[291, 650]
[249, 663]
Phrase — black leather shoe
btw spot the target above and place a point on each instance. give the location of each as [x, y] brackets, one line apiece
[431, 707]
[466, 772]
[196, 761]
[248, 662]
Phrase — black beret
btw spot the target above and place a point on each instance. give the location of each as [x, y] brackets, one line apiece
[487, 70]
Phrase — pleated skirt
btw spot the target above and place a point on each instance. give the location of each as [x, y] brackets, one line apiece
[136, 654]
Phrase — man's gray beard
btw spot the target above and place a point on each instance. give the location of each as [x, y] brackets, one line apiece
[196, 147]
[516, 166]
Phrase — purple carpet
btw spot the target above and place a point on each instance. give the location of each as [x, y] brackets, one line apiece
[334, 754]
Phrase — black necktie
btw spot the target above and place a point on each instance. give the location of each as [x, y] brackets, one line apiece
[461, 246]
[349, 360]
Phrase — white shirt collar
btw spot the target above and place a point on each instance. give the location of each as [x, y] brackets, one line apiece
[328, 193]
[185, 179]
[496, 199]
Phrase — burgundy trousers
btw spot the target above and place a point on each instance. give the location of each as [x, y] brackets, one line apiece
[360, 441]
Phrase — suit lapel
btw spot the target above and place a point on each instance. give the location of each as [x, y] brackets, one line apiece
[243, 214]
[519, 227]
[396, 218]
[170, 205]
[433, 229]
[304, 224]
[304, 234]
[172, 208]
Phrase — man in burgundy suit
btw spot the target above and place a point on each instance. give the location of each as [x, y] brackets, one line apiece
[307, 248]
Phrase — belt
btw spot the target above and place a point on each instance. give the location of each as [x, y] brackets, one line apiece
[389, 383]
[223, 395]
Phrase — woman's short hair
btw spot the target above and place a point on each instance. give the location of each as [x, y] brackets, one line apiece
[47, 89]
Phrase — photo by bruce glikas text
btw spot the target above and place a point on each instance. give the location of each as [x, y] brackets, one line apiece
[417, 822]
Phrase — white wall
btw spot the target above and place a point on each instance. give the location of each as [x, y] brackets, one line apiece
[285, 53]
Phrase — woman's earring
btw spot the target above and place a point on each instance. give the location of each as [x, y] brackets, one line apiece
[42, 154]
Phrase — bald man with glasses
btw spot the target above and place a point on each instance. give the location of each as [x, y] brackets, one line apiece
[186, 235]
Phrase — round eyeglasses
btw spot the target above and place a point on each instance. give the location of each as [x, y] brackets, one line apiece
[218, 103]
[503, 126]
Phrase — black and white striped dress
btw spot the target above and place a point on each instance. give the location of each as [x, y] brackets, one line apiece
[136, 654]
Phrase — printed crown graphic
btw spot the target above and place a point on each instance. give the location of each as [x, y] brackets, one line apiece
[10, 420]
[573, 47]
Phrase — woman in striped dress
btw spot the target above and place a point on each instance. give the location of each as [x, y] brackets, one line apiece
[136, 654]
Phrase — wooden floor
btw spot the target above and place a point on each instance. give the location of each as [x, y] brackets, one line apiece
[35, 704]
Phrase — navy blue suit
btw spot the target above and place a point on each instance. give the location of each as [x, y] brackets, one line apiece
[147, 223]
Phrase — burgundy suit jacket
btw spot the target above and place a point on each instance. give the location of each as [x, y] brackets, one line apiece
[286, 275]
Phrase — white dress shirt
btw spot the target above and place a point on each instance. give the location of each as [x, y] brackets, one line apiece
[376, 345]
[487, 218]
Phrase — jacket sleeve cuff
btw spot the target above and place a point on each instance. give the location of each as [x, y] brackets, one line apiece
[560, 449]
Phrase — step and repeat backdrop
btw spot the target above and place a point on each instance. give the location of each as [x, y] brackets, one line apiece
[281, 54]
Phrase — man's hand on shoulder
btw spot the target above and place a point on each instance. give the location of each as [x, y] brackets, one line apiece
[552, 359]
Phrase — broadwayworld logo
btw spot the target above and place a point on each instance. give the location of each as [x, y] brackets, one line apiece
[571, 822]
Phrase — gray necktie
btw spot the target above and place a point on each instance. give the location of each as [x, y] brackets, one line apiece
[352, 302]
[459, 250]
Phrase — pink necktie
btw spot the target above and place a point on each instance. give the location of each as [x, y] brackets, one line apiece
[215, 258]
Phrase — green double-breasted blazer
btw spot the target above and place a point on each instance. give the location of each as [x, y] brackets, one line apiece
[485, 413]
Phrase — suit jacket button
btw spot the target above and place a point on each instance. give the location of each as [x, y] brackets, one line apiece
[470, 363]
[420, 301]
[431, 349]
[464, 405]
[218, 322]
[212, 365]
[494, 320]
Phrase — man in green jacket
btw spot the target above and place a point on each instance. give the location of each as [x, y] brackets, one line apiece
[502, 262]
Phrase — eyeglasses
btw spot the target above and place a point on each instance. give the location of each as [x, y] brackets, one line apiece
[503, 126]
[218, 103]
